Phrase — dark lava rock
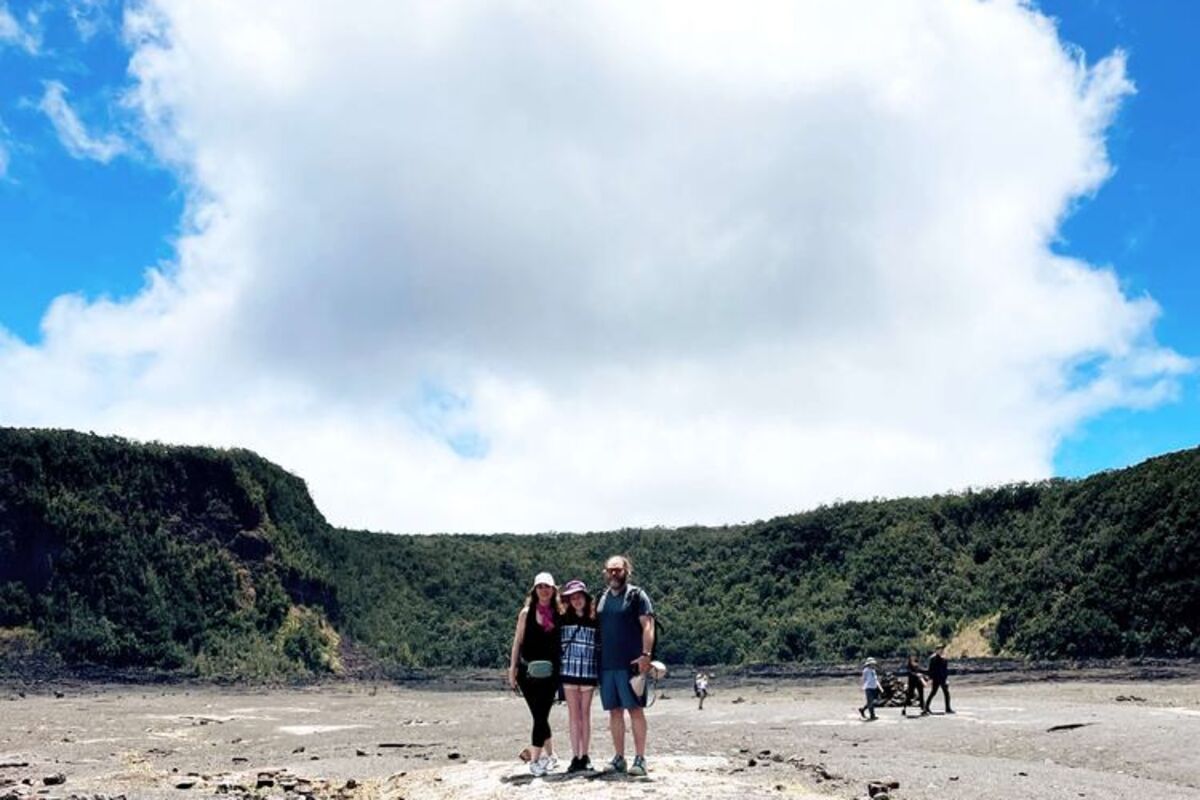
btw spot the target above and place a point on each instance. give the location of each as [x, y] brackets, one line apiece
[55, 779]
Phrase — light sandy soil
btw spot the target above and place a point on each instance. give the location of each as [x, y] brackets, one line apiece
[395, 742]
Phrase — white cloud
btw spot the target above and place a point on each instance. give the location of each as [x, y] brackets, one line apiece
[13, 33]
[90, 17]
[71, 131]
[498, 266]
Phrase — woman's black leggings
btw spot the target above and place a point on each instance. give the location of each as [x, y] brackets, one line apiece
[540, 694]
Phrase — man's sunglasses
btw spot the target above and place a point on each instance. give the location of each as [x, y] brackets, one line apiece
[614, 569]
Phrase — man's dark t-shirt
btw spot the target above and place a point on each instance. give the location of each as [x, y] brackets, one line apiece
[938, 669]
[621, 626]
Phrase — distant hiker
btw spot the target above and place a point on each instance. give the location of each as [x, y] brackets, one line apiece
[580, 669]
[534, 665]
[939, 674]
[626, 619]
[870, 685]
[700, 687]
[916, 685]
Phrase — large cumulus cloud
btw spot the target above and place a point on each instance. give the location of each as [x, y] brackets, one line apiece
[485, 266]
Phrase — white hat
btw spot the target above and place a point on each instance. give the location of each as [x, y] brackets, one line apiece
[546, 578]
[870, 662]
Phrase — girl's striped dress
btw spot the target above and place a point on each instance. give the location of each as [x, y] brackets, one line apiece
[580, 656]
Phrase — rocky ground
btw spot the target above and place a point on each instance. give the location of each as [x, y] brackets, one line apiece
[1094, 736]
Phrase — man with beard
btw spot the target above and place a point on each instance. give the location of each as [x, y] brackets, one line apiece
[626, 620]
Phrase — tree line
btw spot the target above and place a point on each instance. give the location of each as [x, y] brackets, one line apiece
[217, 563]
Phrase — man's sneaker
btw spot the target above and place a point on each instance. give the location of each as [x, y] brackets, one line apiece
[618, 764]
[551, 762]
[537, 767]
[585, 764]
[638, 768]
[574, 766]
[862, 712]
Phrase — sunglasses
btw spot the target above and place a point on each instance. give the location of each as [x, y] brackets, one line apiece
[614, 570]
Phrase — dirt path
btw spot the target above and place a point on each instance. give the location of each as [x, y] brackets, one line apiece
[773, 740]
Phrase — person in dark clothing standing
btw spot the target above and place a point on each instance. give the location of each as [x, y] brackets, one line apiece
[535, 665]
[626, 618]
[939, 673]
[916, 686]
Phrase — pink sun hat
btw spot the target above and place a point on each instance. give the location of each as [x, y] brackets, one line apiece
[573, 587]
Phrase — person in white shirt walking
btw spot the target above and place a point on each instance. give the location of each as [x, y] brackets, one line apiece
[870, 685]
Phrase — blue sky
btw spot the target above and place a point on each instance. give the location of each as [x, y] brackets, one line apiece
[93, 221]
[1143, 221]
[66, 224]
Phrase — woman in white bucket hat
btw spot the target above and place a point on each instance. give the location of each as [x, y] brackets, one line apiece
[534, 665]
[870, 685]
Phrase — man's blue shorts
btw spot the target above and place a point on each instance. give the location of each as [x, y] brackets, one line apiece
[615, 691]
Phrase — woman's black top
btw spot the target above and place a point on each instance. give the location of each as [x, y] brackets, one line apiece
[539, 644]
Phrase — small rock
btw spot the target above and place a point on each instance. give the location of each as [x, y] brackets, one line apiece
[185, 784]
[454, 756]
[55, 779]
[299, 749]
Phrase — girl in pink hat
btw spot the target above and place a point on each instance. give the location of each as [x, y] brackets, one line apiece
[580, 669]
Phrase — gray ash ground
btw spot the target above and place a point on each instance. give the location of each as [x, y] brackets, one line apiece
[1098, 735]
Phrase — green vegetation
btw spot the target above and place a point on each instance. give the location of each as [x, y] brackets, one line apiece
[217, 563]
[148, 556]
